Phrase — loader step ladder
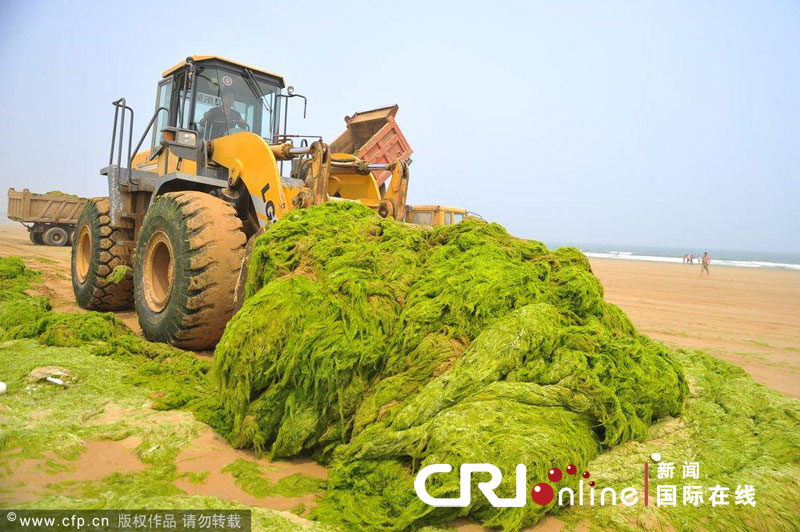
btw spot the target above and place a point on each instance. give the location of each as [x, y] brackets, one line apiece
[118, 137]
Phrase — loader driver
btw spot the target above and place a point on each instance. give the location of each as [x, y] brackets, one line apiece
[218, 120]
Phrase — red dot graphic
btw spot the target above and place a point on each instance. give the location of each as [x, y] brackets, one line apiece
[591, 483]
[554, 474]
[571, 469]
[542, 494]
[585, 474]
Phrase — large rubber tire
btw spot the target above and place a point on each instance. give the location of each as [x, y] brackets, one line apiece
[36, 238]
[188, 255]
[95, 253]
[56, 236]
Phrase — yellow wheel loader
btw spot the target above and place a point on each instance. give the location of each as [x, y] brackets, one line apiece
[179, 214]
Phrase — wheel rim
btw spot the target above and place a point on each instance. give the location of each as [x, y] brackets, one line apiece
[158, 271]
[84, 253]
[56, 238]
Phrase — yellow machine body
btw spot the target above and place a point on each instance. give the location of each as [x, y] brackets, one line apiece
[249, 159]
[211, 179]
[434, 215]
[248, 162]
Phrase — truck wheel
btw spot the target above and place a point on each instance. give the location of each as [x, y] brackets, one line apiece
[188, 255]
[96, 252]
[36, 238]
[56, 236]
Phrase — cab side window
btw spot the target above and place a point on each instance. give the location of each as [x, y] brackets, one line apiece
[163, 100]
[422, 218]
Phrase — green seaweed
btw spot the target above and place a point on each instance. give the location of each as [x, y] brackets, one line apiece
[298, 509]
[120, 273]
[381, 348]
[52, 425]
[15, 279]
[13, 273]
[26, 316]
[64, 409]
[178, 378]
[19, 311]
[250, 477]
[739, 431]
[195, 477]
[19, 317]
[61, 194]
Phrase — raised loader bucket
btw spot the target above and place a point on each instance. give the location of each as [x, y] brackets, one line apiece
[375, 137]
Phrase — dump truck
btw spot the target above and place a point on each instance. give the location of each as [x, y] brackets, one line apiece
[50, 218]
[170, 238]
[434, 215]
[375, 137]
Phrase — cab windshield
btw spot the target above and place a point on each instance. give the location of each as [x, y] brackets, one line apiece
[227, 102]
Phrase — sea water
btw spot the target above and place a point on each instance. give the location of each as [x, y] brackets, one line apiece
[719, 257]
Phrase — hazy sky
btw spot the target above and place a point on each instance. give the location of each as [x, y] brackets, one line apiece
[652, 123]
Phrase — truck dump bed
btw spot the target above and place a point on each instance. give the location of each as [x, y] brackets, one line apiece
[25, 206]
[375, 137]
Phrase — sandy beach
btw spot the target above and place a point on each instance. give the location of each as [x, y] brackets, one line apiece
[750, 317]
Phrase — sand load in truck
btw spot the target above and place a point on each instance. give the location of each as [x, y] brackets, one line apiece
[49, 218]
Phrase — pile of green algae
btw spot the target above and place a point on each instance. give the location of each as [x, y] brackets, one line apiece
[389, 407]
[380, 347]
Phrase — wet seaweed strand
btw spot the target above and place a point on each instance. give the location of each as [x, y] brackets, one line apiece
[381, 347]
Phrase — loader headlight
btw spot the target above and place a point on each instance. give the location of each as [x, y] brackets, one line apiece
[186, 138]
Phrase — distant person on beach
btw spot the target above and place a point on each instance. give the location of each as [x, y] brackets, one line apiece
[705, 261]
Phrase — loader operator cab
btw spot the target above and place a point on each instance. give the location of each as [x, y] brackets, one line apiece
[223, 119]
[217, 97]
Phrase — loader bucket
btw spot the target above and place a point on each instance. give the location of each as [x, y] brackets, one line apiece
[375, 137]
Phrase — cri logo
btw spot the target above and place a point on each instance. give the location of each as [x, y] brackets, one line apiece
[464, 496]
[542, 493]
